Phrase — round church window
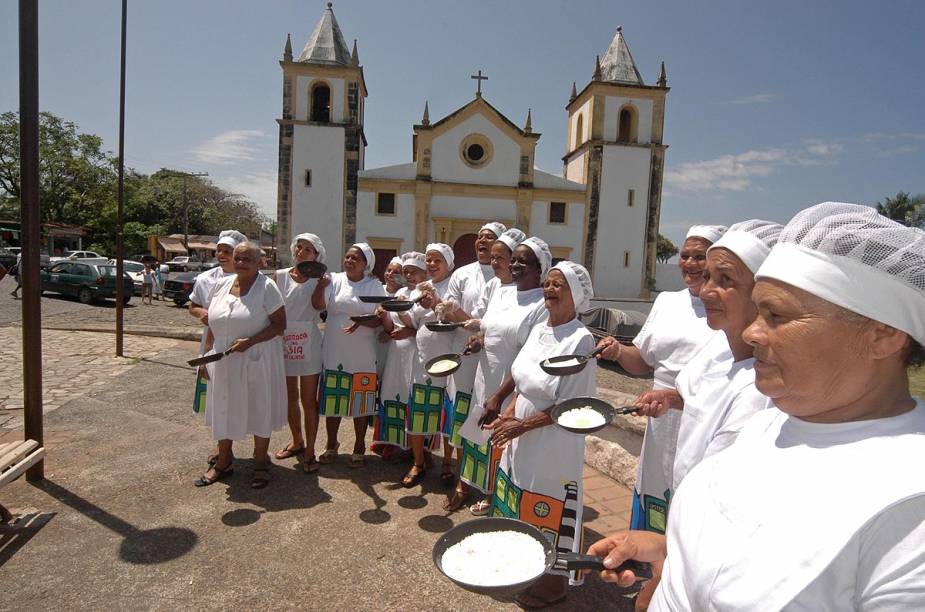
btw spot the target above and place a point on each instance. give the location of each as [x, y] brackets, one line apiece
[475, 150]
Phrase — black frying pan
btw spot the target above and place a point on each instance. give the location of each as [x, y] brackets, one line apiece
[363, 318]
[198, 361]
[598, 405]
[454, 357]
[551, 366]
[563, 561]
[311, 269]
[374, 299]
[442, 326]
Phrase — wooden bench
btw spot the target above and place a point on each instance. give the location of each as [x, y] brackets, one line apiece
[15, 458]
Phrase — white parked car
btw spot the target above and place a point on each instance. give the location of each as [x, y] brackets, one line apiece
[134, 269]
[182, 263]
[88, 257]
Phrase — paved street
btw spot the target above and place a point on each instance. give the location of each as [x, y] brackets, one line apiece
[118, 501]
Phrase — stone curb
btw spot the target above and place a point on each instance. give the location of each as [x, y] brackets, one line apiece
[133, 330]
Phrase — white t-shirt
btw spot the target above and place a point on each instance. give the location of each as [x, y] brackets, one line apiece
[719, 397]
[802, 516]
[674, 330]
[204, 283]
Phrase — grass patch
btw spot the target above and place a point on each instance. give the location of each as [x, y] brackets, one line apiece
[917, 382]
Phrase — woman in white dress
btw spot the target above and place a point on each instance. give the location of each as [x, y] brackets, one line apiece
[674, 331]
[427, 401]
[508, 319]
[247, 393]
[348, 354]
[539, 480]
[814, 506]
[392, 420]
[302, 350]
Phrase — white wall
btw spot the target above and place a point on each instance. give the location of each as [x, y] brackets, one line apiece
[319, 208]
[620, 227]
[380, 226]
[567, 235]
[584, 111]
[302, 99]
[668, 277]
[612, 105]
[575, 170]
[447, 165]
[464, 207]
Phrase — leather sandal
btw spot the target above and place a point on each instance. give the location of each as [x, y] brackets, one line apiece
[260, 483]
[310, 465]
[480, 508]
[455, 500]
[357, 460]
[414, 475]
[447, 475]
[329, 455]
[205, 481]
[289, 452]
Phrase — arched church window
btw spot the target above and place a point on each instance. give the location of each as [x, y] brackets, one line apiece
[627, 125]
[321, 103]
[579, 130]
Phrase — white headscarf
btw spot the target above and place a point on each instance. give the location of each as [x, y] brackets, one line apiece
[579, 281]
[316, 243]
[750, 241]
[494, 227]
[444, 250]
[543, 254]
[414, 258]
[395, 260]
[711, 233]
[852, 256]
[231, 238]
[511, 238]
[368, 254]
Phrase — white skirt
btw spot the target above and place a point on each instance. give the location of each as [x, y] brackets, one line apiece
[247, 391]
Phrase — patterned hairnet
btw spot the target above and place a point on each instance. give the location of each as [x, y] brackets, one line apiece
[543, 254]
[494, 227]
[579, 281]
[443, 249]
[511, 238]
[413, 258]
[231, 237]
[750, 240]
[368, 254]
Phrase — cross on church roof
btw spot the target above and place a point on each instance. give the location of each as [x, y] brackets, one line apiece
[479, 79]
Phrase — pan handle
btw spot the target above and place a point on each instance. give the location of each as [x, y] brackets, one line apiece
[575, 561]
[596, 352]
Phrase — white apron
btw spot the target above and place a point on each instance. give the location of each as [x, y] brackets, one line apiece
[349, 381]
[393, 386]
[247, 391]
[302, 339]
[427, 401]
[540, 477]
[754, 525]
[674, 331]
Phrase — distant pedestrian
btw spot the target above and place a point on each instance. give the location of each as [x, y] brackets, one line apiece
[147, 284]
[15, 272]
[157, 284]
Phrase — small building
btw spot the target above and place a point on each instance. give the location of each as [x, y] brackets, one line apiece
[56, 237]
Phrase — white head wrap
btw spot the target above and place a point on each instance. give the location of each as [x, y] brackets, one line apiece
[750, 241]
[230, 237]
[711, 233]
[494, 227]
[511, 238]
[444, 250]
[543, 254]
[854, 257]
[579, 281]
[413, 258]
[368, 254]
[316, 242]
[395, 260]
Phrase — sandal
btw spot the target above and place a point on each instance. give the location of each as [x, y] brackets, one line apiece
[289, 452]
[447, 475]
[205, 481]
[455, 500]
[260, 483]
[480, 508]
[357, 460]
[311, 465]
[329, 455]
[414, 475]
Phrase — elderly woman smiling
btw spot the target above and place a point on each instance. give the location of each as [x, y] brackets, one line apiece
[247, 393]
[539, 480]
[811, 508]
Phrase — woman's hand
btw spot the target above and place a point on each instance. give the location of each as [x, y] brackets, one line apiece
[429, 299]
[384, 337]
[351, 328]
[473, 325]
[204, 372]
[401, 333]
[504, 429]
[656, 402]
[492, 410]
[612, 349]
[474, 344]
[240, 345]
[645, 546]
[445, 309]
[325, 280]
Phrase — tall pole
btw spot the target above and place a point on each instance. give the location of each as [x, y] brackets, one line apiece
[120, 220]
[31, 226]
[185, 218]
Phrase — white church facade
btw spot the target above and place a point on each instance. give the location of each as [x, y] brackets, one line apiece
[473, 166]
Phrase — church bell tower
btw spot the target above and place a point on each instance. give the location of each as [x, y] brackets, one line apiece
[614, 146]
[321, 139]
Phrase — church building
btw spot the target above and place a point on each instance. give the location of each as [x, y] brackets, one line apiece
[475, 165]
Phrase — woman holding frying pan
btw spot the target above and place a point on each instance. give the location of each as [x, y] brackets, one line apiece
[539, 480]
[348, 353]
[302, 344]
[247, 389]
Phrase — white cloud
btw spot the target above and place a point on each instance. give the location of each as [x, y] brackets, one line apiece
[231, 147]
[259, 186]
[738, 172]
[755, 99]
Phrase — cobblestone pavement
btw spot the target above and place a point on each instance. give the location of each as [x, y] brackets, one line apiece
[74, 363]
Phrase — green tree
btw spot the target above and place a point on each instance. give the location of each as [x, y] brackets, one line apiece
[665, 249]
[904, 208]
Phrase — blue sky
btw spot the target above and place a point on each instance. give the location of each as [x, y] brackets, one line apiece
[773, 105]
